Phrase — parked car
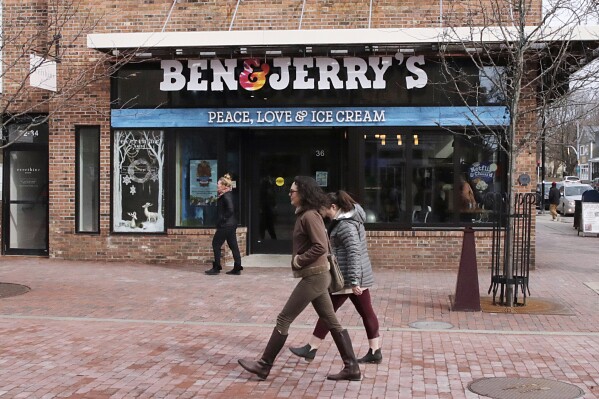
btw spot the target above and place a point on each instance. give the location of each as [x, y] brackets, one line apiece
[574, 179]
[571, 193]
[547, 184]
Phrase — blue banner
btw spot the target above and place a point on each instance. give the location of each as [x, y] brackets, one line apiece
[310, 117]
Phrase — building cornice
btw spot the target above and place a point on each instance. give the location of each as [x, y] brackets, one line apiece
[334, 37]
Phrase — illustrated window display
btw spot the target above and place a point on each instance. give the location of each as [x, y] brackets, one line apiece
[138, 183]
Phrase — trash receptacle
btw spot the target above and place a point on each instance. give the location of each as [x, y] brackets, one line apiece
[577, 213]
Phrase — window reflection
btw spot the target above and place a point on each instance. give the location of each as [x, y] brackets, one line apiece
[385, 177]
[432, 178]
[423, 178]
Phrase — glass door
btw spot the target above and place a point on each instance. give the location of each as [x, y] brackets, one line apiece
[25, 221]
[277, 158]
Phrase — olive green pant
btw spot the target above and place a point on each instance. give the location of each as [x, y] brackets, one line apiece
[311, 289]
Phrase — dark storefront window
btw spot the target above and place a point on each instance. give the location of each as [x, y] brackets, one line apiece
[432, 177]
[385, 177]
[196, 172]
[479, 165]
[196, 161]
[426, 178]
[88, 182]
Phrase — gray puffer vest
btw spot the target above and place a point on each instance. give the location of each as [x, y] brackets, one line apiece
[348, 243]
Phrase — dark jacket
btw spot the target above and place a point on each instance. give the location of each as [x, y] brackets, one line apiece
[225, 211]
[554, 196]
[310, 244]
[348, 242]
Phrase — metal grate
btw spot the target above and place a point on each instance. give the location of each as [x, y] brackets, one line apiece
[524, 388]
[9, 289]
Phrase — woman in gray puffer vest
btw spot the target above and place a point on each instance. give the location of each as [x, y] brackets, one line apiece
[348, 243]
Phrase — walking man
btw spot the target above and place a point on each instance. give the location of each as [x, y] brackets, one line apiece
[554, 196]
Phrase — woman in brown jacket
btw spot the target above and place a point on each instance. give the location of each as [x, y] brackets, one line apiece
[309, 262]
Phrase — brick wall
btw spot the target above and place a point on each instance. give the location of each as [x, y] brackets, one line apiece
[425, 249]
[89, 105]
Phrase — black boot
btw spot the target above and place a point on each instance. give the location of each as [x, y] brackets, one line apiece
[351, 371]
[216, 268]
[305, 351]
[262, 367]
[237, 268]
[376, 357]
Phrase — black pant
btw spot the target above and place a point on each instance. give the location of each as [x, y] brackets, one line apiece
[226, 234]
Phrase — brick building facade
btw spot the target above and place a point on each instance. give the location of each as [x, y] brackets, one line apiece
[400, 238]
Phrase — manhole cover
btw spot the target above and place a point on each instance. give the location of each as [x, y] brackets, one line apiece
[9, 289]
[524, 388]
[431, 325]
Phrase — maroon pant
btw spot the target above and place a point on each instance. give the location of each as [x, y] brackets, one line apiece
[362, 304]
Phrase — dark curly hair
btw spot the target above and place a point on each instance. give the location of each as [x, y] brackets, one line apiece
[310, 193]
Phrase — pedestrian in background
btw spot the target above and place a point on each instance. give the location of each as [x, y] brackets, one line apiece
[226, 227]
[554, 196]
[309, 263]
[348, 242]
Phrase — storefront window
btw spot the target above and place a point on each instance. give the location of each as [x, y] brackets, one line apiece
[385, 177]
[432, 177]
[201, 157]
[479, 167]
[196, 177]
[88, 182]
[138, 181]
[425, 178]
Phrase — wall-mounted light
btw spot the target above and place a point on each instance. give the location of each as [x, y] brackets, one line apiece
[399, 142]
[338, 51]
[383, 137]
[415, 139]
[207, 53]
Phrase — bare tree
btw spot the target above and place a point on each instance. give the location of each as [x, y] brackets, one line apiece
[526, 56]
[37, 38]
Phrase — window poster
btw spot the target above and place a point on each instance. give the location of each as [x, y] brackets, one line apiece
[322, 178]
[138, 165]
[482, 176]
[202, 181]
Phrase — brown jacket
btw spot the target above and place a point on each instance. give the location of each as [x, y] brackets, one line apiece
[310, 244]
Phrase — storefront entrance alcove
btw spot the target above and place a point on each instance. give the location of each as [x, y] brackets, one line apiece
[25, 198]
[276, 158]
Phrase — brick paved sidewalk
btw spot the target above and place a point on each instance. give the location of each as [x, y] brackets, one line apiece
[95, 330]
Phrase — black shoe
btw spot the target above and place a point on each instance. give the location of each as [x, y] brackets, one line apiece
[216, 268]
[305, 351]
[375, 358]
[236, 270]
[212, 272]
